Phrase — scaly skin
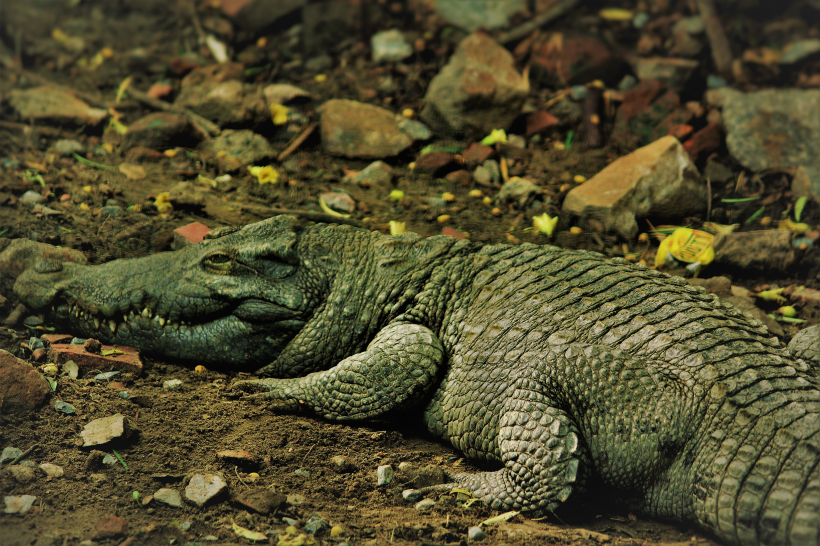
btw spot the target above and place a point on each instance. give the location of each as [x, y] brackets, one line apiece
[571, 370]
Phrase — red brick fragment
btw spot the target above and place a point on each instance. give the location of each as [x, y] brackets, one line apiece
[128, 362]
[704, 142]
[476, 154]
[193, 232]
[110, 526]
[57, 338]
[540, 121]
[453, 233]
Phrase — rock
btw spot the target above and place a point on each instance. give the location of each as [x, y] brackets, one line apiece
[52, 470]
[384, 475]
[540, 121]
[316, 526]
[53, 105]
[773, 128]
[425, 505]
[657, 180]
[284, 93]
[102, 431]
[9, 454]
[641, 111]
[415, 129]
[185, 195]
[673, 72]
[476, 533]
[236, 455]
[476, 154]
[128, 361]
[411, 495]
[254, 15]
[66, 146]
[459, 178]
[263, 501]
[168, 496]
[19, 505]
[768, 251]
[205, 488]
[354, 129]
[65, 407]
[22, 389]
[435, 163]
[242, 148]
[161, 130]
[339, 201]
[704, 142]
[22, 473]
[110, 526]
[565, 60]
[92, 346]
[390, 46]
[472, 15]
[172, 385]
[190, 234]
[377, 173]
[806, 183]
[342, 464]
[477, 91]
[227, 102]
[517, 190]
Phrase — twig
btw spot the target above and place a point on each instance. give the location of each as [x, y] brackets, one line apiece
[296, 142]
[721, 53]
[207, 127]
[48, 131]
[22, 455]
[537, 22]
[238, 477]
[307, 215]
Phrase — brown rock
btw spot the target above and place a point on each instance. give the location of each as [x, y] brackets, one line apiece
[459, 178]
[110, 526]
[573, 60]
[768, 251]
[236, 455]
[161, 130]
[434, 163]
[540, 121]
[92, 346]
[263, 501]
[704, 142]
[477, 91]
[476, 154]
[53, 104]
[355, 129]
[22, 389]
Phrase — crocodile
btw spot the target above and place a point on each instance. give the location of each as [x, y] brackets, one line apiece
[571, 372]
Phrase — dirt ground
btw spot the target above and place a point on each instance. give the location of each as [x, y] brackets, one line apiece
[182, 431]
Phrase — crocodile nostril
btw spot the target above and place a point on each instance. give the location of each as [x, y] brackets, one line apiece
[48, 266]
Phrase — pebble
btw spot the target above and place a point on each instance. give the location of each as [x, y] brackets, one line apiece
[517, 190]
[415, 129]
[316, 526]
[289, 521]
[33, 322]
[64, 407]
[358, 130]
[98, 478]
[471, 15]
[390, 46]
[205, 488]
[9, 454]
[110, 526]
[19, 504]
[102, 431]
[171, 497]
[296, 499]
[172, 385]
[105, 376]
[476, 533]
[109, 460]
[22, 473]
[425, 505]
[411, 495]
[66, 146]
[32, 197]
[339, 201]
[384, 475]
[52, 470]
[35, 343]
[377, 173]
[263, 501]
[342, 464]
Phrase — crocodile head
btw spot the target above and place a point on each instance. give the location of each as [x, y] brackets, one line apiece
[235, 299]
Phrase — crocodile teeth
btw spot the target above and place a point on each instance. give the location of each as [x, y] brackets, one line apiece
[113, 326]
[96, 323]
[161, 321]
[146, 313]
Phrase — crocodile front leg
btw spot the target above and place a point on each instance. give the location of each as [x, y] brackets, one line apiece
[398, 368]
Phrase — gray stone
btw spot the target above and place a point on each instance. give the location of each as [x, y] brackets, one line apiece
[411, 495]
[425, 505]
[476, 533]
[102, 431]
[657, 180]
[416, 129]
[390, 46]
[384, 475]
[19, 505]
[242, 148]
[205, 488]
[171, 497]
[9, 454]
[283, 93]
[517, 190]
[354, 129]
[773, 127]
[339, 201]
[472, 15]
[377, 173]
[316, 526]
[229, 102]
[32, 197]
[66, 146]
[477, 91]
[53, 104]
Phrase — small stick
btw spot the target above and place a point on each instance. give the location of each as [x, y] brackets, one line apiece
[721, 53]
[22, 455]
[308, 215]
[537, 22]
[296, 142]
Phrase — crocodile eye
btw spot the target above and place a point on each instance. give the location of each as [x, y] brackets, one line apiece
[218, 262]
